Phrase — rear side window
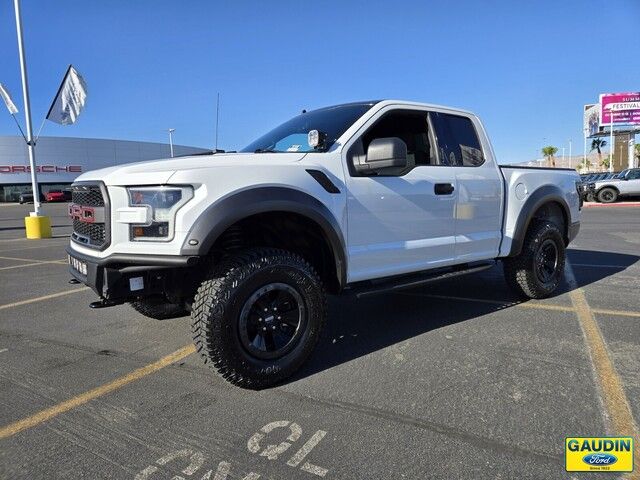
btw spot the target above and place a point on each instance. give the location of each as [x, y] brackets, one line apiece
[458, 143]
[634, 175]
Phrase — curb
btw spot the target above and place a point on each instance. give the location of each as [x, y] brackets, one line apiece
[604, 205]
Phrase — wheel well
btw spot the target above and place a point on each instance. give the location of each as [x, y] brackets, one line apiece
[554, 213]
[612, 187]
[286, 230]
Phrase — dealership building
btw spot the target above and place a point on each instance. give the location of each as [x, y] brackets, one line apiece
[60, 160]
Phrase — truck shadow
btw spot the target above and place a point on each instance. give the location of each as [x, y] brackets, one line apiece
[356, 328]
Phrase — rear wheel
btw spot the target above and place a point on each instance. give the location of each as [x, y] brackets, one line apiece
[536, 272]
[158, 308]
[257, 317]
[607, 195]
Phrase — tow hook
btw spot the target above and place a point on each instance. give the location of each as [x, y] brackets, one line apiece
[104, 303]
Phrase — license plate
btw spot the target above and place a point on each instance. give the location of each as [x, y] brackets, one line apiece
[78, 265]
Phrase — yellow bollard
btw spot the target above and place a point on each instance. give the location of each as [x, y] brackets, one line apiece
[37, 227]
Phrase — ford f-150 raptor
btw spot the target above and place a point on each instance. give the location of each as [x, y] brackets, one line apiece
[363, 197]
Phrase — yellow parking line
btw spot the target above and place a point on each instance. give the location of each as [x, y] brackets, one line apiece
[611, 388]
[32, 247]
[20, 259]
[502, 303]
[59, 262]
[40, 299]
[529, 304]
[83, 398]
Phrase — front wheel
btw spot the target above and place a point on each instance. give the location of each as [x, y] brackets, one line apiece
[607, 195]
[536, 272]
[257, 316]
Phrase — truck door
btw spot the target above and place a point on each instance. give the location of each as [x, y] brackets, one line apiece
[631, 184]
[478, 216]
[399, 220]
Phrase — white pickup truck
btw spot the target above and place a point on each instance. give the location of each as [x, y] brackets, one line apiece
[362, 197]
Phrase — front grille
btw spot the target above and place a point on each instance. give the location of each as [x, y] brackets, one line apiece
[91, 234]
[87, 196]
[94, 232]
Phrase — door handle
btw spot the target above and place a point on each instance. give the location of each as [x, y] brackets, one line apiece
[443, 188]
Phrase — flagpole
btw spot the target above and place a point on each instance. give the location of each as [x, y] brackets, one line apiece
[36, 225]
[27, 112]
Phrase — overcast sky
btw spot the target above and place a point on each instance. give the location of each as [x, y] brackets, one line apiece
[526, 68]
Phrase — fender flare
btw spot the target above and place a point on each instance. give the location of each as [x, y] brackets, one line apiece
[222, 214]
[541, 196]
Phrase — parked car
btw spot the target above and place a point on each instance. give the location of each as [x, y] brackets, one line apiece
[58, 196]
[624, 184]
[364, 198]
[27, 197]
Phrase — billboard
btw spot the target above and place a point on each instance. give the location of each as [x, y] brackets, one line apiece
[591, 119]
[626, 108]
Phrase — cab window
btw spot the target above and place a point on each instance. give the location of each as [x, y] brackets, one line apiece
[458, 143]
[412, 128]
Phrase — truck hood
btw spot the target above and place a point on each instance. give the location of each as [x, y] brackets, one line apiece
[158, 172]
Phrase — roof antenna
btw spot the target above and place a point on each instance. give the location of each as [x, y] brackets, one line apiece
[304, 110]
[217, 117]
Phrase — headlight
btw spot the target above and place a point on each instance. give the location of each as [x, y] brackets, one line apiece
[163, 203]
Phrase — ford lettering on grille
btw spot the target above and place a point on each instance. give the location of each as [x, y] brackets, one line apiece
[84, 214]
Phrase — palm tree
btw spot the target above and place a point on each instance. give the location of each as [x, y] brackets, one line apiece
[597, 144]
[549, 151]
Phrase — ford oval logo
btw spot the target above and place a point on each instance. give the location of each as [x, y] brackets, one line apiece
[599, 459]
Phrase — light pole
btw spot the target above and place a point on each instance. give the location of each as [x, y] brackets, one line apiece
[611, 138]
[570, 151]
[171, 130]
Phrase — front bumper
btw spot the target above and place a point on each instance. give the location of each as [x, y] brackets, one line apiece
[121, 277]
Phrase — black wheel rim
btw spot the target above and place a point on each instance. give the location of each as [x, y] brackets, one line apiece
[547, 261]
[607, 196]
[272, 321]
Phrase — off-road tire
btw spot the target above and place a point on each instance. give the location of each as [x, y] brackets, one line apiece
[520, 271]
[228, 288]
[158, 308]
[608, 195]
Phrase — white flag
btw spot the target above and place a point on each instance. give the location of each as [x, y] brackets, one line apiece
[6, 96]
[70, 100]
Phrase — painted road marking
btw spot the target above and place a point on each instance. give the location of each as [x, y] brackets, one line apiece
[83, 398]
[32, 247]
[610, 386]
[272, 452]
[541, 306]
[2, 350]
[54, 262]
[196, 460]
[20, 259]
[40, 299]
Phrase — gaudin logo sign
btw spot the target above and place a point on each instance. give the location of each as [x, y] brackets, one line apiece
[41, 169]
[598, 454]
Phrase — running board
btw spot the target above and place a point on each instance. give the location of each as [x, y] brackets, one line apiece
[392, 285]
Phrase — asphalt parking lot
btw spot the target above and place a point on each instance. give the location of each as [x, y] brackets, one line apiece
[454, 380]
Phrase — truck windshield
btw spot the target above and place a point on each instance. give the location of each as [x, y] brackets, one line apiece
[291, 136]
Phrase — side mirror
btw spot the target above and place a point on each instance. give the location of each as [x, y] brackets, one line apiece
[384, 153]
